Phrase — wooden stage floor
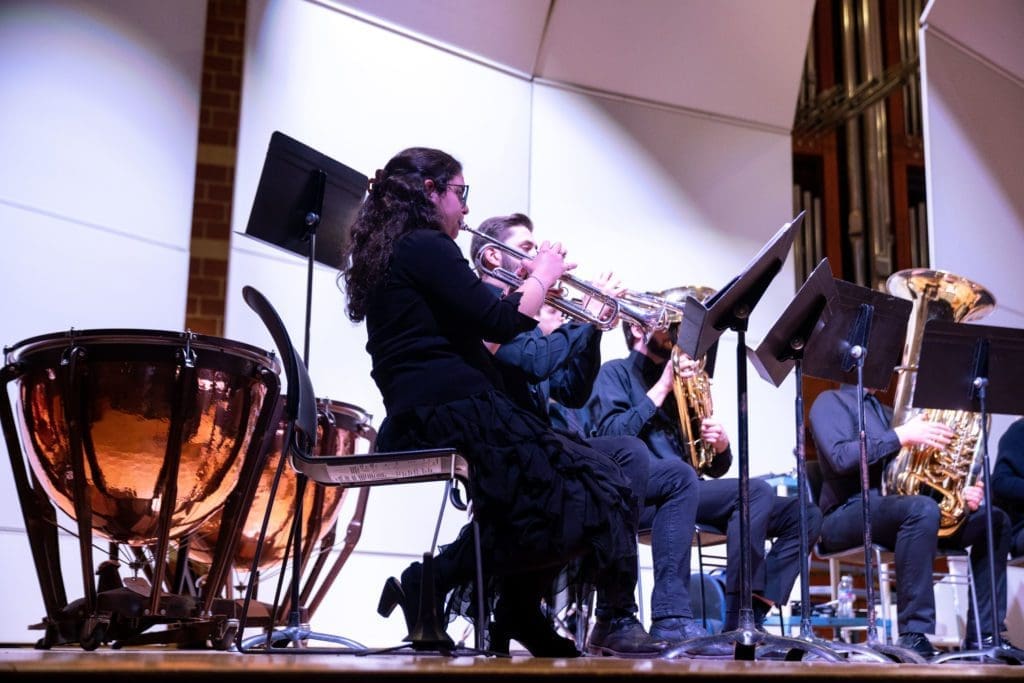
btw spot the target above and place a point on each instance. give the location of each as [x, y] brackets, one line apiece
[160, 664]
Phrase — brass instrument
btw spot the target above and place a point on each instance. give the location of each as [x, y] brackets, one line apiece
[940, 473]
[693, 394]
[650, 318]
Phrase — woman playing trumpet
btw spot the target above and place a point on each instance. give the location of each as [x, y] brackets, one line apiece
[538, 503]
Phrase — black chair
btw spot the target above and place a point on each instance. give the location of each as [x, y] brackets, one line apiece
[375, 469]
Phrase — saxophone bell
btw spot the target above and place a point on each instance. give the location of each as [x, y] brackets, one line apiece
[692, 390]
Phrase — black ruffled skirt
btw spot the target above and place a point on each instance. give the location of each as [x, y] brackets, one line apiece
[541, 498]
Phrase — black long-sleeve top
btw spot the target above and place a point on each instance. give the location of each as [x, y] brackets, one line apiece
[547, 373]
[1008, 474]
[619, 406]
[833, 423]
[426, 321]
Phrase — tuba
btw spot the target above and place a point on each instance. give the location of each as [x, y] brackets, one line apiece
[693, 394]
[942, 474]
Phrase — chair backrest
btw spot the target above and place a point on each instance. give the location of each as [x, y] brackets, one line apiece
[300, 404]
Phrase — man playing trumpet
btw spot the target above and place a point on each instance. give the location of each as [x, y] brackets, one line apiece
[555, 364]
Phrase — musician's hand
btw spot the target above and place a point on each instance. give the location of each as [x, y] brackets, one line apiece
[548, 265]
[610, 286]
[713, 432]
[663, 387]
[974, 496]
[686, 367]
[919, 430]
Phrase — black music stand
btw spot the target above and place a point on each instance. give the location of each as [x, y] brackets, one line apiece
[781, 351]
[980, 369]
[863, 319]
[302, 195]
[304, 204]
[703, 324]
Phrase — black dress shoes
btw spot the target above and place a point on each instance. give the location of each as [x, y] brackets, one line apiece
[919, 643]
[674, 629]
[623, 637]
[987, 642]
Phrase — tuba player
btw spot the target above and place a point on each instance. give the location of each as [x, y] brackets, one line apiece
[909, 524]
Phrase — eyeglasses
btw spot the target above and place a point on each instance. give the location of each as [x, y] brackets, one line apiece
[461, 191]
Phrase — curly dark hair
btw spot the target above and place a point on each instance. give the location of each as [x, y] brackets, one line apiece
[396, 204]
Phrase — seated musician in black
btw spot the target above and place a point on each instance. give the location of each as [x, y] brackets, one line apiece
[540, 500]
[557, 363]
[1008, 482]
[909, 524]
[635, 396]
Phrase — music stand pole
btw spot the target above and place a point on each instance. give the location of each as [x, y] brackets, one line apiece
[703, 323]
[979, 391]
[312, 222]
[801, 325]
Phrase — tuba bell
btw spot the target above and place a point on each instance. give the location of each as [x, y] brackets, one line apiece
[693, 394]
[943, 473]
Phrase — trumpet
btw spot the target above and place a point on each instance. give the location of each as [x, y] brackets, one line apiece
[650, 315]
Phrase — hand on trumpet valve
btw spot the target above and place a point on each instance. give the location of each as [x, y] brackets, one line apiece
[547, 265]
[610, 286]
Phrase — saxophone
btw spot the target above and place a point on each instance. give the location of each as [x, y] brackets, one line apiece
[942, 473]
[693, 398]
[693, 394]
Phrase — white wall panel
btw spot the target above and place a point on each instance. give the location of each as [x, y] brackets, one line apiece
[359, 94]
[100, 123]
[973, 86]
[972, 114]
[666, 199]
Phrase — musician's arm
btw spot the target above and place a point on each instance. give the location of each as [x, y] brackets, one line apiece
[834, 426]
[612, 409]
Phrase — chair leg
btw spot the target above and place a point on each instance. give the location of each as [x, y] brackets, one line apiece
[885, 594]
[973, 594]
[640, 590]
[481, 609]
[703, 593]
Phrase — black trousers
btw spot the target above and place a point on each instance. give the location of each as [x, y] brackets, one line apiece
[910, 526]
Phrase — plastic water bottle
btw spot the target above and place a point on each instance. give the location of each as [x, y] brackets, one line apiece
[845, 607]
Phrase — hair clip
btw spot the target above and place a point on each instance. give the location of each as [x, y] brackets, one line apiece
[377, 178]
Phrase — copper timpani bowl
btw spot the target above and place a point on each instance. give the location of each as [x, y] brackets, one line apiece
[340, 426]
[120, 394]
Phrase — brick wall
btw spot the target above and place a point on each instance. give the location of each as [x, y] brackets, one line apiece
[215, 166]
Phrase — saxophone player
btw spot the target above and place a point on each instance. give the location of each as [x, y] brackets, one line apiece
[909, 524]
[634, 396]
